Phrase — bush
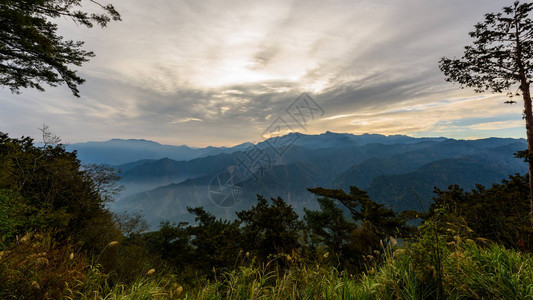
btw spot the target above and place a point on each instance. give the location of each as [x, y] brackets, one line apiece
[499, 213]
[37, 267]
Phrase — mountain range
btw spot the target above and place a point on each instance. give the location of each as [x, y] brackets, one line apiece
[120, 151]
[161, 181]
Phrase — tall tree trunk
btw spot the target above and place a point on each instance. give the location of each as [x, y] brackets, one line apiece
[524, 87]
[529, 129]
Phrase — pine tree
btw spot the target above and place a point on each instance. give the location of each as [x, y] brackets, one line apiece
[500, 57]
[31, 51]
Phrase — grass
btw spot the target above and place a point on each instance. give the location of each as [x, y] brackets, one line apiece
[492, 273]
[469, 271]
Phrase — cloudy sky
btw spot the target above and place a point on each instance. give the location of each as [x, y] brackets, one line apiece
[221, 72]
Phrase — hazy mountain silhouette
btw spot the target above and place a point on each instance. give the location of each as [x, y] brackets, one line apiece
[400, 171]
[119, 151]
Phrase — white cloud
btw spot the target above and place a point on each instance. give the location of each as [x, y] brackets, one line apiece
[217, 72]
[185, 120]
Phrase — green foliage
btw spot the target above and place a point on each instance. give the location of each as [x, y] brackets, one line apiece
[345, 250]
[38, 267]
[15, 216]
[31, 51]
[296, 282]
[352, 242]
[216, 243]
[382, 220]
[501, 54]
[171, 243]
[469, 271]
[489, 273]
[146, 286]
[498, 213]
[270, 228]
[51, 184]
[46, 189]
[330, 228]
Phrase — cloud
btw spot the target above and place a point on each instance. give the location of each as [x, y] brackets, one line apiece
[185, 120]
[217, 72]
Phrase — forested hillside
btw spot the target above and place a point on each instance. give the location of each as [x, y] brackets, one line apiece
[58, 240]
[293, 216]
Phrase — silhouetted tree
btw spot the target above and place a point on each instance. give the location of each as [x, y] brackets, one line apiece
[215, 242]
[31, 51]
[171, 243]
[329, 227]
[270, 228]
[501, 55]
[329, 224]
[370, 227]
[52, 190]
[383, 221]
[487, 211]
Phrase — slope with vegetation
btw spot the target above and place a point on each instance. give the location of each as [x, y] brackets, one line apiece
[59, 241]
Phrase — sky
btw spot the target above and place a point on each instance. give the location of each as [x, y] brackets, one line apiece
[225, 72]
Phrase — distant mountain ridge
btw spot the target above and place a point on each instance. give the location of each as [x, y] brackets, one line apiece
[122, 151]
[400, 171]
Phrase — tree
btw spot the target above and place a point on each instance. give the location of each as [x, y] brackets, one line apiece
[216, 242]
[353, 240]
[500, 57]
[270, 228]
[46, 187]
[329, 225]
[509, 224]
[383, 221]
[31, 51]
[171, 243]
[329, 228]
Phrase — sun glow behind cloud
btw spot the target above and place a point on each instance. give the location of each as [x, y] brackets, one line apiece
[218, 72]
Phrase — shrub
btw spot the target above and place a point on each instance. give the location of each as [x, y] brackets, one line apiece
[37, 267]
